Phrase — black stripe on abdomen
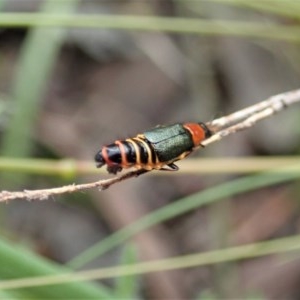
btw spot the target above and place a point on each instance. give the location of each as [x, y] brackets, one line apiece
[114, 153]
[129, 151]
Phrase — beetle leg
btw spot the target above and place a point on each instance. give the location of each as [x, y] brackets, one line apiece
[172, 167]
[114, 169]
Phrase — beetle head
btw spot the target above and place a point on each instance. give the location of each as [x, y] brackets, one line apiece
[99, 159]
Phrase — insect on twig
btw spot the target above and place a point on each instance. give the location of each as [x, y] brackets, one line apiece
[160, 147]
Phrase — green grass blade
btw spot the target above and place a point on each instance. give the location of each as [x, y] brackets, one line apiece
[8, 295]
[126, 286]
[286, 8]
[2, 2]
[207, 295]
[17, 262]
[38, 56]
[187, 204]
[70, 168]
[238, 253]
[180, 25]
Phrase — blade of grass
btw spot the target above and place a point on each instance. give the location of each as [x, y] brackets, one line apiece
[70, 168]
[2, 2]
[207, 295]
[277, 246]
[38, 56]
[18, 262]
[8, 295]
[153, 23]
[282, 8]
[126, 286]
[185, 205]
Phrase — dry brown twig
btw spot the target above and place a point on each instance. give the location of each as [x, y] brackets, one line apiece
[222, 127]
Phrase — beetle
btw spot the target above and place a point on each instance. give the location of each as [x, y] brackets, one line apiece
[157, 148]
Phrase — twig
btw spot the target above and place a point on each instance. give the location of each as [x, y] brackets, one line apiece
[275, 103]
[67, 189]
[222, 127]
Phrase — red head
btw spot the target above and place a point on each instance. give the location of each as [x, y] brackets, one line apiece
[198, 131]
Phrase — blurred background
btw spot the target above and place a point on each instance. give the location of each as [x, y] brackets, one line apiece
[67, 91]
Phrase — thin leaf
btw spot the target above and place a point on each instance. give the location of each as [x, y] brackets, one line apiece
[126, 286]
[18, 262]
[208, 196]
[38, 55]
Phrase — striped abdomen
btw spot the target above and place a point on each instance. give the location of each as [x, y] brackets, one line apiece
[135, 152]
